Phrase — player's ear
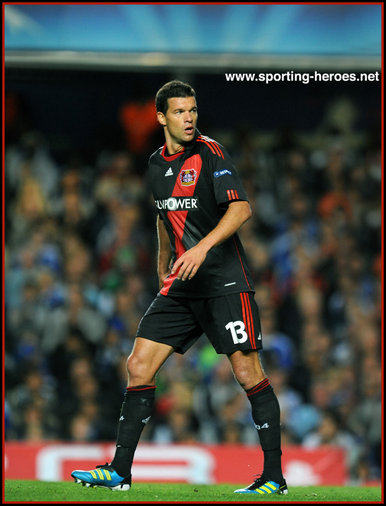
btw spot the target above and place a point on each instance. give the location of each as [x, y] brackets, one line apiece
[161, 118]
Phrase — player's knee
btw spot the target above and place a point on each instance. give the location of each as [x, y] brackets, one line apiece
[138, 370]
[247, 377]
[243, 376]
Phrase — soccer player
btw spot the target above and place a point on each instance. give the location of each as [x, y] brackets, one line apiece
[205, 287]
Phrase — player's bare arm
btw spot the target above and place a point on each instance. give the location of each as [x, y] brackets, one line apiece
[237, 214]
[164, 252]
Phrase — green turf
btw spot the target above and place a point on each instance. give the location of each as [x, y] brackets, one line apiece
[26, 490]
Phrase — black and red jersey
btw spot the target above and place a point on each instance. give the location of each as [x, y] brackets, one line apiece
[192, 190]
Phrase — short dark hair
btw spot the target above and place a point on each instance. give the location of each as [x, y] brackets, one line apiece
[170, 90]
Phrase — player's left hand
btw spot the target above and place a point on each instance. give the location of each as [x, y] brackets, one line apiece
[189, 262]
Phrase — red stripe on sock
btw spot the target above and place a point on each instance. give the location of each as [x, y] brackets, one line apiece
[140, 388]
[257, 388]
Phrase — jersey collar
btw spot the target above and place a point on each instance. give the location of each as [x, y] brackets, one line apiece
[188, 147]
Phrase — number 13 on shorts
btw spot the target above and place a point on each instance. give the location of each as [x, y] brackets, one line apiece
[238, 331]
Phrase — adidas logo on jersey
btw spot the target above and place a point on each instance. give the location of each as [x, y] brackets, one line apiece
[169, 172]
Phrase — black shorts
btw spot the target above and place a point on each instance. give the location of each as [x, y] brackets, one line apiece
[231, 322]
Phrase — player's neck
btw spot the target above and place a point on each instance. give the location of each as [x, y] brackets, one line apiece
[173, 147]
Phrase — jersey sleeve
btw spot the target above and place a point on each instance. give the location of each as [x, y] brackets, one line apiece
[227, 183]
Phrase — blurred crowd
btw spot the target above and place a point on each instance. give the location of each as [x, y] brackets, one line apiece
[80, 270]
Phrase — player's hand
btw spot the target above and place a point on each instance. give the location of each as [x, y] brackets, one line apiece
[189, 262]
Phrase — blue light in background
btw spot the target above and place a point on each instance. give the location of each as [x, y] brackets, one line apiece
[263, 29]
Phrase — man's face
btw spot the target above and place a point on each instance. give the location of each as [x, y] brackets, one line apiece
[180, 119]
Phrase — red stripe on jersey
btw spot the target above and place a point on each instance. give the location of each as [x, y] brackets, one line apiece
[214, 147]
[232, 195]
[178, 218]
[180, 249]
[207, 143]
[217, 147]
[242, 266]
[214, 144]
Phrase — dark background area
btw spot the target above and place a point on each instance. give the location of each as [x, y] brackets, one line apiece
[78, 110]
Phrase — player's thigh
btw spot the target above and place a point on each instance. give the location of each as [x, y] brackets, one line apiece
[170, 321]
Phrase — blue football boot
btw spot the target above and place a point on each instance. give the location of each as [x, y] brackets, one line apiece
[102, 476]
[262, 486]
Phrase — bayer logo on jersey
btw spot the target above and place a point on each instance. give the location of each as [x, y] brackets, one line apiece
[188, 177]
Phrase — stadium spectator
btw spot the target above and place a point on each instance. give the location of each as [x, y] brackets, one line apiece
[331, 432]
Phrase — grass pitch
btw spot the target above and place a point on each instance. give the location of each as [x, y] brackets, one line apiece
[38, 491]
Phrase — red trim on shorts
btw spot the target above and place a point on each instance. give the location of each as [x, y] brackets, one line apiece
[243, 308]
[248, 318]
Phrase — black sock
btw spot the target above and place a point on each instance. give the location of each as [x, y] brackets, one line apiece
[137, 408]
[266, 415]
